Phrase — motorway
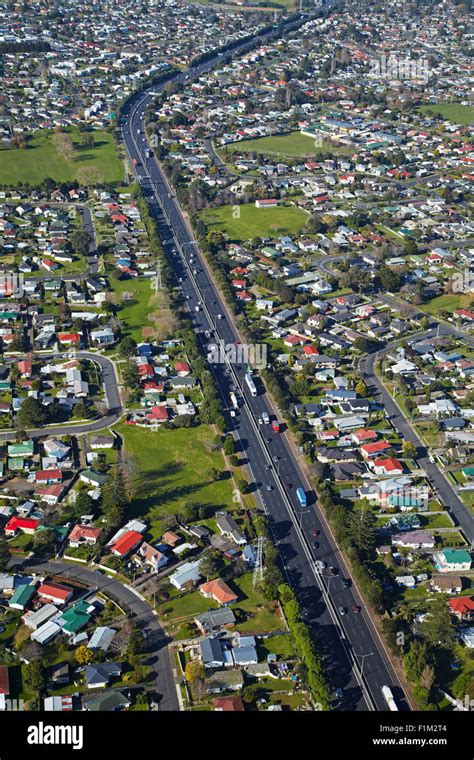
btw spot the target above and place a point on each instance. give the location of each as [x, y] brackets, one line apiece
[160, 679]
[354, 654]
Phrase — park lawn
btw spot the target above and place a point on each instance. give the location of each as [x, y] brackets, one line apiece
[261, 616]
[447, 302]
[457, 113]
[172, 468]
[41, 160]
[255, 222]
[292, 144]
[183, 608]
[134, 312]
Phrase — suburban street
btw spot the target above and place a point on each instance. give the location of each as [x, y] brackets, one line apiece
[347, 642]
[161, 680]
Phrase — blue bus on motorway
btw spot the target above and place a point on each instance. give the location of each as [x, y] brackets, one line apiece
[301, 496]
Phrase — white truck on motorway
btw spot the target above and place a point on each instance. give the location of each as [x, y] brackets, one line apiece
[251, 384]
[388, 696]
[233, 401]
[265, 418]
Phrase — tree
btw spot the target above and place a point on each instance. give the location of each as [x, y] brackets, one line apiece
[437, 628]
[208, 566]
[44, 539]
[361, 530]
[361, 388]
[409, 449]
[194, 672]
[114, 496]
[229, 445]
[415, 661]
[83, 504]
[32, 414]
[390, 281]
[131, 376]
[81, 241]
[127, 347]
[4, 555]
[83, 655]
[35, 675]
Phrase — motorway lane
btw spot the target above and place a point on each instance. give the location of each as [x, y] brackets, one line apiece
[363, 639]
[162, 680]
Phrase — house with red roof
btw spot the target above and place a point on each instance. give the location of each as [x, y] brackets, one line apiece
[267, 203]
[239, 284]
[462, 607]
[146, 370]
[47, 477]
[465, 314]
[310, 351]
[182, 369]
[25, 368]
[128, 541]
[372, 450]
[158, 414]
[84, 534]
[25, 524]
[387, 467]
[65, 338]
[219, 591]
[228, 704]
[50, 494]
[55, 593]
[363, 435]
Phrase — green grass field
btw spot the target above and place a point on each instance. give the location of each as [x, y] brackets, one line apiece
[293, 145]
[133, 312]
[453, 112]
[255, 222]
[41, 160]
[447, 302]
[172, 468]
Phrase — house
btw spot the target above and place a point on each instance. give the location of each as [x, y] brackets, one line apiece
[58, 704]
[48, 477]
[211, 652]
[46, 632]
[22, 596]
[36, 619]
[223, 680]
[170, 538]
[99, 674]
[228, 704]
[76, 617]
[408, 581]
[387, 467]
[462, 607]
[446, 584]
[108, 702]
[414, 540]
[268, 203]
[102, 442]
[55, 593]
[101, 638]
[188, 573]
[59, 674]
[84, 534]
[126, 542]
[26, 525]
[92, 478]
[466, 635]
[152, 556]
[372, 450]
[229, 528]
[219, 591]
[452, 560]
[214, 620]
[245, 655]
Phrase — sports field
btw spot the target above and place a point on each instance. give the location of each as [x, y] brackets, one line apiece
[247, 221]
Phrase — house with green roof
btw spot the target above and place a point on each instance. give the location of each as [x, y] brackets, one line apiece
[22, 596]
[25, 449]
[93, 478]
[107, 702]
[452, 560]
[75, 617]
[468, 472]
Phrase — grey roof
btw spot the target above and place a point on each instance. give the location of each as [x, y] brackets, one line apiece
[215, 618]
[102, 672]
[111, 700]
[211, 651]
